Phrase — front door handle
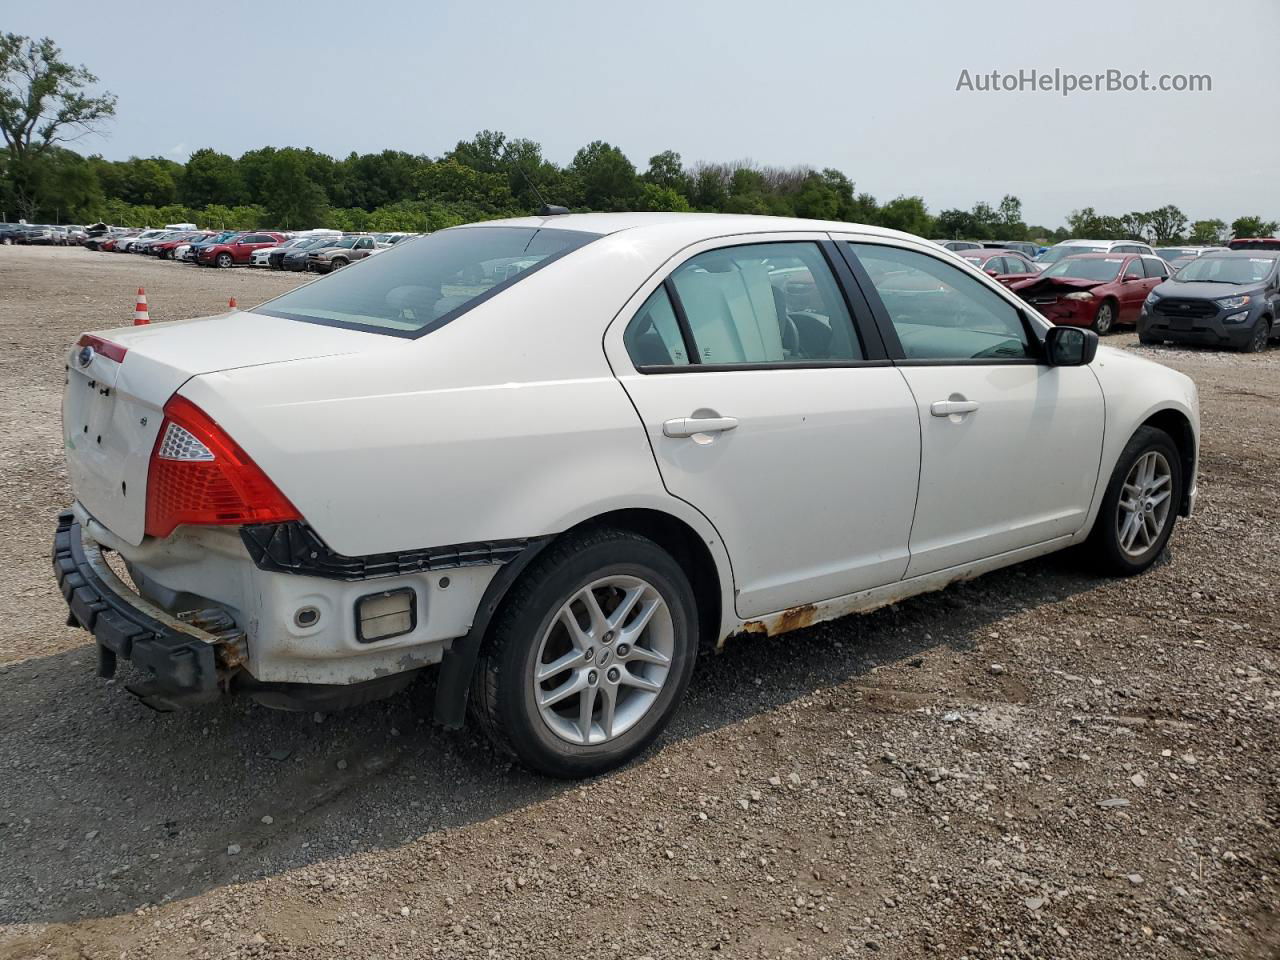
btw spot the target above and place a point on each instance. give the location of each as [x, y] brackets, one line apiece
[949, 408]
[691, 426]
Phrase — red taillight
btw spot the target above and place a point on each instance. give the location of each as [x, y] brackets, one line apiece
[199, 475]
[112, 351]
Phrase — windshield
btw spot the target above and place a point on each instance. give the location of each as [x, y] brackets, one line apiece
[1227, 270]
[414, 288]
[1054, 254]
[1087, 268]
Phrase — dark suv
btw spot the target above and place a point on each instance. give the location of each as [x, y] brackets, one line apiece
[1225, 298]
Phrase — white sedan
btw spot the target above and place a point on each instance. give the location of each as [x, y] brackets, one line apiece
[550, 455]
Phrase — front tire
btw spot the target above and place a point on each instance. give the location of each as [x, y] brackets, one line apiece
[1140, 505]
[1258, 339]
[224, 260]
[589, 656]
[1105, 318]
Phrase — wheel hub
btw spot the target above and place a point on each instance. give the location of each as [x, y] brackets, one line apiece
[1145, 501]
[589, 689]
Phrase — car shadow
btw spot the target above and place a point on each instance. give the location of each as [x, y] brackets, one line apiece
[107, 806]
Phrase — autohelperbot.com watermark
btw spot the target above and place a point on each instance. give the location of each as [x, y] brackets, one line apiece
[1065, 82]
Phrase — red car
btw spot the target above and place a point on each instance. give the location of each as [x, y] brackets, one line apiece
[1007, 266]
[1254, 243]
[1095, 290]
[239, 249]
[165, 250]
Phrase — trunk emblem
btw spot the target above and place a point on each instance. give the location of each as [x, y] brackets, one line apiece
[85, 356]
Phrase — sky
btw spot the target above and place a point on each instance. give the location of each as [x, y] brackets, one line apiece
[869, 88]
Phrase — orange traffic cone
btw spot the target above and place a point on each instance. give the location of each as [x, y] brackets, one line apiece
[140, 314]
[231, 304]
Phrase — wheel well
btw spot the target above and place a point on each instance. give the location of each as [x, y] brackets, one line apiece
[686, 546]
[1178, 427]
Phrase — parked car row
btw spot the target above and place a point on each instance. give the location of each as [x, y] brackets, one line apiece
[41, 234]
[321, 251]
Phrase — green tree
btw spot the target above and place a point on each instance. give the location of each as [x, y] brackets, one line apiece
[482, 152]
[1253, 227]
[1167, 224]
[291, 197]
[609, 180]
[955, 224]
[908, 214]
[1207, 232]
[44, 102]
[666, 169]
[450, 180]
[210, 177]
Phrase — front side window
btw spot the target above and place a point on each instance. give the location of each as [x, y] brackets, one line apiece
[939, 312]
[765, 303]
[414, 288]
[1134, 270]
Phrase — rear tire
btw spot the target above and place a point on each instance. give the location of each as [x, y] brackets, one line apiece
[1140, 505]
[625, 666]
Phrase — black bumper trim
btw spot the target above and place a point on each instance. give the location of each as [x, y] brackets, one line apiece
[180, 666]
[295, 548]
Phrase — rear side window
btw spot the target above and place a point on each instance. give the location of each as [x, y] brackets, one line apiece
[938, 311]
[765, 303]
[1155, 267]
[653, 336]
[414, 288]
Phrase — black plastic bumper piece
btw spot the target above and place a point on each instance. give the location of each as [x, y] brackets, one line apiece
[180, 668]
[294, 547]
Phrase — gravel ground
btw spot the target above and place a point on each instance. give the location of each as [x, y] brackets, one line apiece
[1038, 763]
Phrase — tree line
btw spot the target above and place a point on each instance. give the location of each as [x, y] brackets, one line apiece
[46, 103]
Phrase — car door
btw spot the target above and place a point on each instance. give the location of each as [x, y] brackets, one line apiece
[1133, 289]
[1010, 447]
[363, 247]
[769, 410]
[1017, 269]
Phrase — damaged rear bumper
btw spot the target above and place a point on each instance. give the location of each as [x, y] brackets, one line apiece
[184, 662]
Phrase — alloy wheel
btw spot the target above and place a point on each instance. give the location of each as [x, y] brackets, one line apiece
[1144, 504]
[603, 660]
[1102, 323]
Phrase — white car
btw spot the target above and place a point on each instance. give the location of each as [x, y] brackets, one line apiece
[552, 454]
[1070, 248]
[123, 246]
[262, 257]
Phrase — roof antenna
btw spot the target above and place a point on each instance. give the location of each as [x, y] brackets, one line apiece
[548, 209]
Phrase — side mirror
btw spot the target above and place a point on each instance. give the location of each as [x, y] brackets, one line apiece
[1128, 279]
[1070, 346]
[993, 273]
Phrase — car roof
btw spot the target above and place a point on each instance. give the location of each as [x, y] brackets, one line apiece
[707, 225]
[1271, 254]
[1104, 256]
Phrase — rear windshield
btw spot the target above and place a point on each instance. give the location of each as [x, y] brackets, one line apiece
[413, 288]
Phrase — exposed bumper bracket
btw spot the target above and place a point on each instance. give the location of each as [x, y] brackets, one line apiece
[181, 660]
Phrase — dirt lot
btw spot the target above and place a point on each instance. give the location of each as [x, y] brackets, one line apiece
[1035, 764]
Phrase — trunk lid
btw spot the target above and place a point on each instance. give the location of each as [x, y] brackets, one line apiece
[113, 408]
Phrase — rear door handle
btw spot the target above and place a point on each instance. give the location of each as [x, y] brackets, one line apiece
[690, 426]
[947, 408]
